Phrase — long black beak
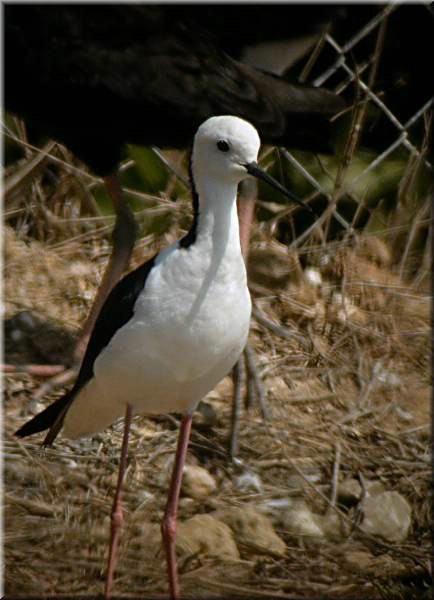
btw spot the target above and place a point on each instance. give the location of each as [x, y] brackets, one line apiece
[254, 169]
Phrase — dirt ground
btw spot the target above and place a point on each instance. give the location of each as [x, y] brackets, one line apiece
[348, 395]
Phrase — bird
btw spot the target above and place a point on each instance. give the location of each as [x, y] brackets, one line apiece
[97, 77]
[172, 328]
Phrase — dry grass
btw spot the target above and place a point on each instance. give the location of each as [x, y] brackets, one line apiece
[346, 367]
[353, 383]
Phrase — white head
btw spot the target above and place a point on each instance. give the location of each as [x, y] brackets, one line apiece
[222, 147]
[225, 150]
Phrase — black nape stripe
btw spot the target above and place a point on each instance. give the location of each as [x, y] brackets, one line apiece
[190, 237]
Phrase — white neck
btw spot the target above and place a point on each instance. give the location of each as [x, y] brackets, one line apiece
[217, 246]
[217, 226]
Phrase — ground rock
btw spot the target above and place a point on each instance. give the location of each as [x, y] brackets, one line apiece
[374, 488]
[299, 482]
[349, 492]
[313, 277]
[361, 561]
[275, 508]
[253, 530]
[387, 515]
[248, 482]
[204, 534]
[333, 526]
[206, 415]
[197, 482]
[301, 522]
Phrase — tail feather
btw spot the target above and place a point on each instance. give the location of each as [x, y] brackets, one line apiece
[52, 415]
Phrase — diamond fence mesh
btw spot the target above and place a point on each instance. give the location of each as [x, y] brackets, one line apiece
[402, 156]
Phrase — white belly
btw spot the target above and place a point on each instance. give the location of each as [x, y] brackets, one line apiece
[184, 337]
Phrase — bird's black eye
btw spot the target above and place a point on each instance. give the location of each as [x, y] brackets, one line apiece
[223, 146]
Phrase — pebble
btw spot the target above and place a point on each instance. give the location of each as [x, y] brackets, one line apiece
[70, 463]
[253, 530]
[301, 522]
[333, 526]
[275, 507]
[388, 378]
[206, 415]
[144, 497]
[313, 276]
[298, 482]
[374, 488]
[387, 515]
[361, 561]
[249, 482]
[349, 492]
[197, 482]
[206, 535]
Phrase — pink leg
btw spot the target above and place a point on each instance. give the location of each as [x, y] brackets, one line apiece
[124, 236]
[168, 525]
[117, 516]
[246, 212]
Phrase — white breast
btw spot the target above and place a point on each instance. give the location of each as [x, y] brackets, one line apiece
[187, 332]
[189, 327]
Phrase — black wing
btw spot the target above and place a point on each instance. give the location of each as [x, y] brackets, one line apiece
[116, 311]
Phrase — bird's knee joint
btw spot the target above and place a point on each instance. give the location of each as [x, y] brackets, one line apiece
[168, 529]
[117, 518]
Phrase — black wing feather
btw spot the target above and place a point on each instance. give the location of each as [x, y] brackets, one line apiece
[47, 417]
[116, 311]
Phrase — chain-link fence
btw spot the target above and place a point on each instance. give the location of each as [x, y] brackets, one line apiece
[352, 65]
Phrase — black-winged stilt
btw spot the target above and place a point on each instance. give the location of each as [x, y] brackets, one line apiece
[171, 329]
[97, 77]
